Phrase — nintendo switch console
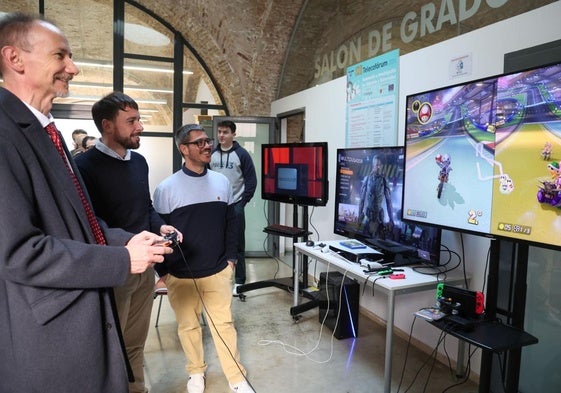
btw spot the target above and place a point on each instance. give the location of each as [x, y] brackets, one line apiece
[460, 301]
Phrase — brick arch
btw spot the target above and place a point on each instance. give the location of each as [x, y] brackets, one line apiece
[243, 44]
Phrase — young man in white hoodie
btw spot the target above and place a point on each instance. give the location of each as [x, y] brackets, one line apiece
[233, 161]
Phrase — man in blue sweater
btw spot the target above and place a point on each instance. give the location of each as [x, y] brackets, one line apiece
[233, 161]
[117, 180]
[199, 202]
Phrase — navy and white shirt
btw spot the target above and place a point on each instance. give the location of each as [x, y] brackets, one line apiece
[201, 207]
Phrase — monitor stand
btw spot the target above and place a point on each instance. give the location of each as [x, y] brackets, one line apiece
[287, 283]
[399, 254]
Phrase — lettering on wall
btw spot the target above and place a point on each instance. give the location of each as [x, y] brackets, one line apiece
[429, 19]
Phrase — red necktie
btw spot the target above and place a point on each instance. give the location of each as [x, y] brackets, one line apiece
[96, 229]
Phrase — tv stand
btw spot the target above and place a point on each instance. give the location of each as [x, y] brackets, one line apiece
[286, 283]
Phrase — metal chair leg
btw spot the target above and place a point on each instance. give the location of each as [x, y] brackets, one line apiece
[159, 308]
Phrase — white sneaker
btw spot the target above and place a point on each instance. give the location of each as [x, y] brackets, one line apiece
[196, 383]
[235, 290]
[241, 387]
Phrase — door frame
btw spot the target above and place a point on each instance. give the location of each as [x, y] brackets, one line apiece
[272, 209]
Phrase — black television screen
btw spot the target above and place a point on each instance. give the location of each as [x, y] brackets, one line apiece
[483, 156]
[295, 173]
[368, 192]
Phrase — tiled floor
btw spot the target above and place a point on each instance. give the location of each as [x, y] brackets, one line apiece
[283, 356]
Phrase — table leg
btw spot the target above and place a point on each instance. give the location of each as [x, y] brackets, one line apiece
[295, 276]
[460, 359]
[389, 343]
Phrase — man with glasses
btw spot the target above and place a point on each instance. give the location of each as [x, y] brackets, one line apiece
[199, 203]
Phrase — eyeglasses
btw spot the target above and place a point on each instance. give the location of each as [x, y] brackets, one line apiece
[201, 142]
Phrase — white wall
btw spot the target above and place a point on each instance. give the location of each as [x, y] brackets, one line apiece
[419, 71]
[325, 122]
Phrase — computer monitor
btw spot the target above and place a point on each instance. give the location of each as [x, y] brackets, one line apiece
[483, 156]
[368, 203]
[295, 173]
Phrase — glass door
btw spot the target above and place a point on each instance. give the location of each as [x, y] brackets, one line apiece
[251, 133]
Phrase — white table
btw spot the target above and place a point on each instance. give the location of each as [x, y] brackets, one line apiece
[413, 282]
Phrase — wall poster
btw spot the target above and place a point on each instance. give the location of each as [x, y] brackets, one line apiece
[372, 99]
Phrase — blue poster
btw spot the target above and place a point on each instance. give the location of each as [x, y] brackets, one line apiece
[372, 97]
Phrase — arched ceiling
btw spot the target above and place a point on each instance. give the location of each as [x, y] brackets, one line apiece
[242, 42]
[261, 50]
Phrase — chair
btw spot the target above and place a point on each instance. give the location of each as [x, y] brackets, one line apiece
[161, 292]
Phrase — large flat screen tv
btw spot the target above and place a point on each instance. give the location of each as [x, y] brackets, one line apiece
[295, 173]
[483, 156]
[368, 192]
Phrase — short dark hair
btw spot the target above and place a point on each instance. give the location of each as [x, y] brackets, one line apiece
[182, 134]
[109, 106]
[86, 139]
[227, 123]
[79, 131]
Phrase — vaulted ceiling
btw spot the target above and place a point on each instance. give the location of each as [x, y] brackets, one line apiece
[261, 50]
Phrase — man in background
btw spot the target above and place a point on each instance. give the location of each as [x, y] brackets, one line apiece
[59, 331]
[233, 161]
[88, 142]
[117, 181]
[77, 136]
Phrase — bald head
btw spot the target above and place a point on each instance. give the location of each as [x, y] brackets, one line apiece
[35, 60]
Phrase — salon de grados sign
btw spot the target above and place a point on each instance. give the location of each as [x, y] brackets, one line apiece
[429, 19]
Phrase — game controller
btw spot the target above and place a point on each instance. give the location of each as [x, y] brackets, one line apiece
[439, 290]
[169, 239]
[479, 302]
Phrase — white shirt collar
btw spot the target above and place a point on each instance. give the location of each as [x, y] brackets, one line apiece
[102, 147]
[44, 120]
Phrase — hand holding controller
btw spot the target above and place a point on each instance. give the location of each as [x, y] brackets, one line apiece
[170, 239]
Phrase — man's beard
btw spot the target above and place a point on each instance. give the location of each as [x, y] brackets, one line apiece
[128, 143]
[66, 92]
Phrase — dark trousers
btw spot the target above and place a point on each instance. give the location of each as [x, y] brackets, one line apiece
[240, 222]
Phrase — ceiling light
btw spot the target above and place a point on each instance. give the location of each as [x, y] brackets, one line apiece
[95, 99]
[129, 67]
[110, 87]
[156, 102]
[150, 89]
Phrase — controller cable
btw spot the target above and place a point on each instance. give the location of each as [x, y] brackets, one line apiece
[176, 243]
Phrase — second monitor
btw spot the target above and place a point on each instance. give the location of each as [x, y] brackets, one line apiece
[368, 203]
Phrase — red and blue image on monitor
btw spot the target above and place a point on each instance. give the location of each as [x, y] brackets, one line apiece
[295, 173]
